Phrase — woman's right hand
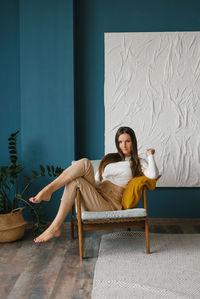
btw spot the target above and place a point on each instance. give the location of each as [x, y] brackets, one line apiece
[150, 151]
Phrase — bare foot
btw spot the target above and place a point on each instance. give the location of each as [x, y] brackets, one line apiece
[44, 194]
[48, 234]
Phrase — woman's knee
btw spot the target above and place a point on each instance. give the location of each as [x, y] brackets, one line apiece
[86, 163]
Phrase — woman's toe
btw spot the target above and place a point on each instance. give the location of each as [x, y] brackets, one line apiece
[34, 200]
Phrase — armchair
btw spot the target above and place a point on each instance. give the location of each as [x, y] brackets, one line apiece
[86, 221]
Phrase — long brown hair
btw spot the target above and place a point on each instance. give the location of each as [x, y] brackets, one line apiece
[119, 156]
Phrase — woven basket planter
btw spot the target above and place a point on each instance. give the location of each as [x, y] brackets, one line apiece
[12, 226]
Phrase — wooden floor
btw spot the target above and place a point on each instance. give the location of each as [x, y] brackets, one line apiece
[53, 269]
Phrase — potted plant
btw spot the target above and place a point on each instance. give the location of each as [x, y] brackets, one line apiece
[12, 201]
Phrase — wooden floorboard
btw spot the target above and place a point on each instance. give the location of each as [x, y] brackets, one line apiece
[53, 269]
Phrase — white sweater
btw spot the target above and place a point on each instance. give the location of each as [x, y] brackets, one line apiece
[119, 173]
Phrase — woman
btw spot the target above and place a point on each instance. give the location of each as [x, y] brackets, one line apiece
[102, 192]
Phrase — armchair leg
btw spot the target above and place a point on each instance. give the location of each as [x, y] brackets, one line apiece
[80, 240]
[147, 236]
[72, 223]
[80, 228]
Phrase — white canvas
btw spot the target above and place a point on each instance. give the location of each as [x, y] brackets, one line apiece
[152, 84]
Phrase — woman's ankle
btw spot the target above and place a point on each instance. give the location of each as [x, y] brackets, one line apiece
[47, 190]
[54, 227]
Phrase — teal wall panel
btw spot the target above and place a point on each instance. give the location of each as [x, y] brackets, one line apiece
[47, 88]
[46, 65]
[94, 18]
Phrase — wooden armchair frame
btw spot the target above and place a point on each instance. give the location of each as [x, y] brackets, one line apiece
[106, 224]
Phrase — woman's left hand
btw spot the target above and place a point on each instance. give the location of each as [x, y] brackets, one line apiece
[150, 151]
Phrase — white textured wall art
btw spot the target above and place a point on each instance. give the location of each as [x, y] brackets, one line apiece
[152, 84]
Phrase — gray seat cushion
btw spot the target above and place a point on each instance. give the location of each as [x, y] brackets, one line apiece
[121, 214]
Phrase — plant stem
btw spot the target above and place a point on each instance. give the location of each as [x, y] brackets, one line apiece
[27, 186]
[10, 192]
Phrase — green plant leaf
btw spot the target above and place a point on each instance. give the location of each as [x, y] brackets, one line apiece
[14, 134]
[13, 158]
[19, 168]
[35, 173]
[12, 152]
[52, 169]
[42, 168]
[59, 170]
[49, 170]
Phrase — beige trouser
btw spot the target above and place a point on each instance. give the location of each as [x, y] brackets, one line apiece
[101, 197]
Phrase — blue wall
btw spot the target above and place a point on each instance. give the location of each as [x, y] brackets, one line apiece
[46, 73]
[94, 18]
[47, 88]
[40, 41]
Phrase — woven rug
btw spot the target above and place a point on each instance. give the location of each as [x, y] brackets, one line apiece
[124, 270]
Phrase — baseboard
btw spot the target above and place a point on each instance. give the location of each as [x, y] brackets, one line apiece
[152, 221]
[174, 221]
